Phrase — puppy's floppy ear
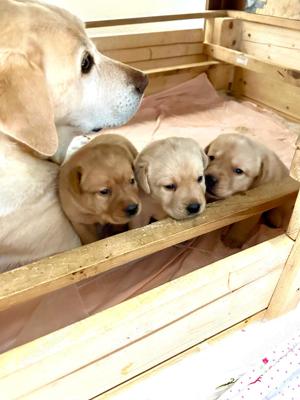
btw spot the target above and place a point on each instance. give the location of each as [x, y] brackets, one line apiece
[204, 157]
[26, 112]
[206, 149]
[75, 178]
[263, 175]
[141, 174]
[130, 149]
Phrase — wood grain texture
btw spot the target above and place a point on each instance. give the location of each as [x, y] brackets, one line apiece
[188, 357]
[253, 63]
[287, 293]
[118, 343]
[58, 271]
[157, 18]
[266, 20]
[268, 91]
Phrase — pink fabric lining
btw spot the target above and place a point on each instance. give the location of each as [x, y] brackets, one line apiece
[193, 109]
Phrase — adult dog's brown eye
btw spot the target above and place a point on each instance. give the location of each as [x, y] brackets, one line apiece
[87, 63]
[105, 192]
[172, 186]
[199, 179]
[238, 171]
[211, 158]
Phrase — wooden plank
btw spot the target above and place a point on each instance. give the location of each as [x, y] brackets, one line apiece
[129, 41]
[253, 63]
[118, 343]
[140, 355]
[221, 76]
[287, 293]
[270, 43]
[294, 224]
[61, 270]
[154, 52]
[187, 356]
[156, 18]
[268, 91]
[266, 20]
[168, 62]
[181, 67]
[227, 32]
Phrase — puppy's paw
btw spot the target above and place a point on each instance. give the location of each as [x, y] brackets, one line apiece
[76, 144]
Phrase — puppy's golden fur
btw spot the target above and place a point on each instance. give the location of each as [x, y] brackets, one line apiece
[238, 163]
[170, 175]
[97, 185]
[54, 84]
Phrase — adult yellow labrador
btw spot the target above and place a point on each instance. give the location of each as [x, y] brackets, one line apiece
[54, 84]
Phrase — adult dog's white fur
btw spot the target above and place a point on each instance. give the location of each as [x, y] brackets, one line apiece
[46, 99]
[173, 162]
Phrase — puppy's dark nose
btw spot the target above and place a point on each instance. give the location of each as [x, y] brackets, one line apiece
[193, 208]
[210, 181]
[140, 81]
[132, 209]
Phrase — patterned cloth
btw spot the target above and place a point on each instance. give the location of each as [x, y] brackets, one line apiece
[275, 377]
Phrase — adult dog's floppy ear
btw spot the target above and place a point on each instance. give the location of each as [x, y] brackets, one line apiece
[26, 112]
[141, 174]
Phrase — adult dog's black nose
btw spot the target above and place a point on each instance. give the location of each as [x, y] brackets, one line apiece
[210, 181]
[193, 208]
[132, 209]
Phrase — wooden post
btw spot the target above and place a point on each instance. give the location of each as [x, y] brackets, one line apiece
[287, 292]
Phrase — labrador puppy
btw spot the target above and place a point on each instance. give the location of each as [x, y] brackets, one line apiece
[170, 174]
[97, 186]
[54, 84]
[236, 164]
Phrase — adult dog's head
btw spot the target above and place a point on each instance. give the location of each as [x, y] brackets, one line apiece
[238, 163]
[171, 172]
[97, 183]
[51, 75]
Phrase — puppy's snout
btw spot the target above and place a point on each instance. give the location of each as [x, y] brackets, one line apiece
[210, 181]
[131, 209]
[193, 208]
[139, 81]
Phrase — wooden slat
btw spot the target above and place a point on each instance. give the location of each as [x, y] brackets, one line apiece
[287, 293]
[271, 43]
[156, 18]
[266, 20]
[155, 52]
[267, 91]
[169, 62]
[118, 343]
[58, 271]
[129, 41]
[140, 383]
[181, 67]
[252, 63]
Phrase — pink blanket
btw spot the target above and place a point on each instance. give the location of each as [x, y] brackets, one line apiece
[193, 109]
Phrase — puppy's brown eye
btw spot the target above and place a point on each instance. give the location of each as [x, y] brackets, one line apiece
[132, 181]
[87, 63]
[172, 186]
[105, 192]
[238, 171]
[211, 158]
[200, 178]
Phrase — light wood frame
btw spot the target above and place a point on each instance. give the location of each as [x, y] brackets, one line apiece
[95, 355]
